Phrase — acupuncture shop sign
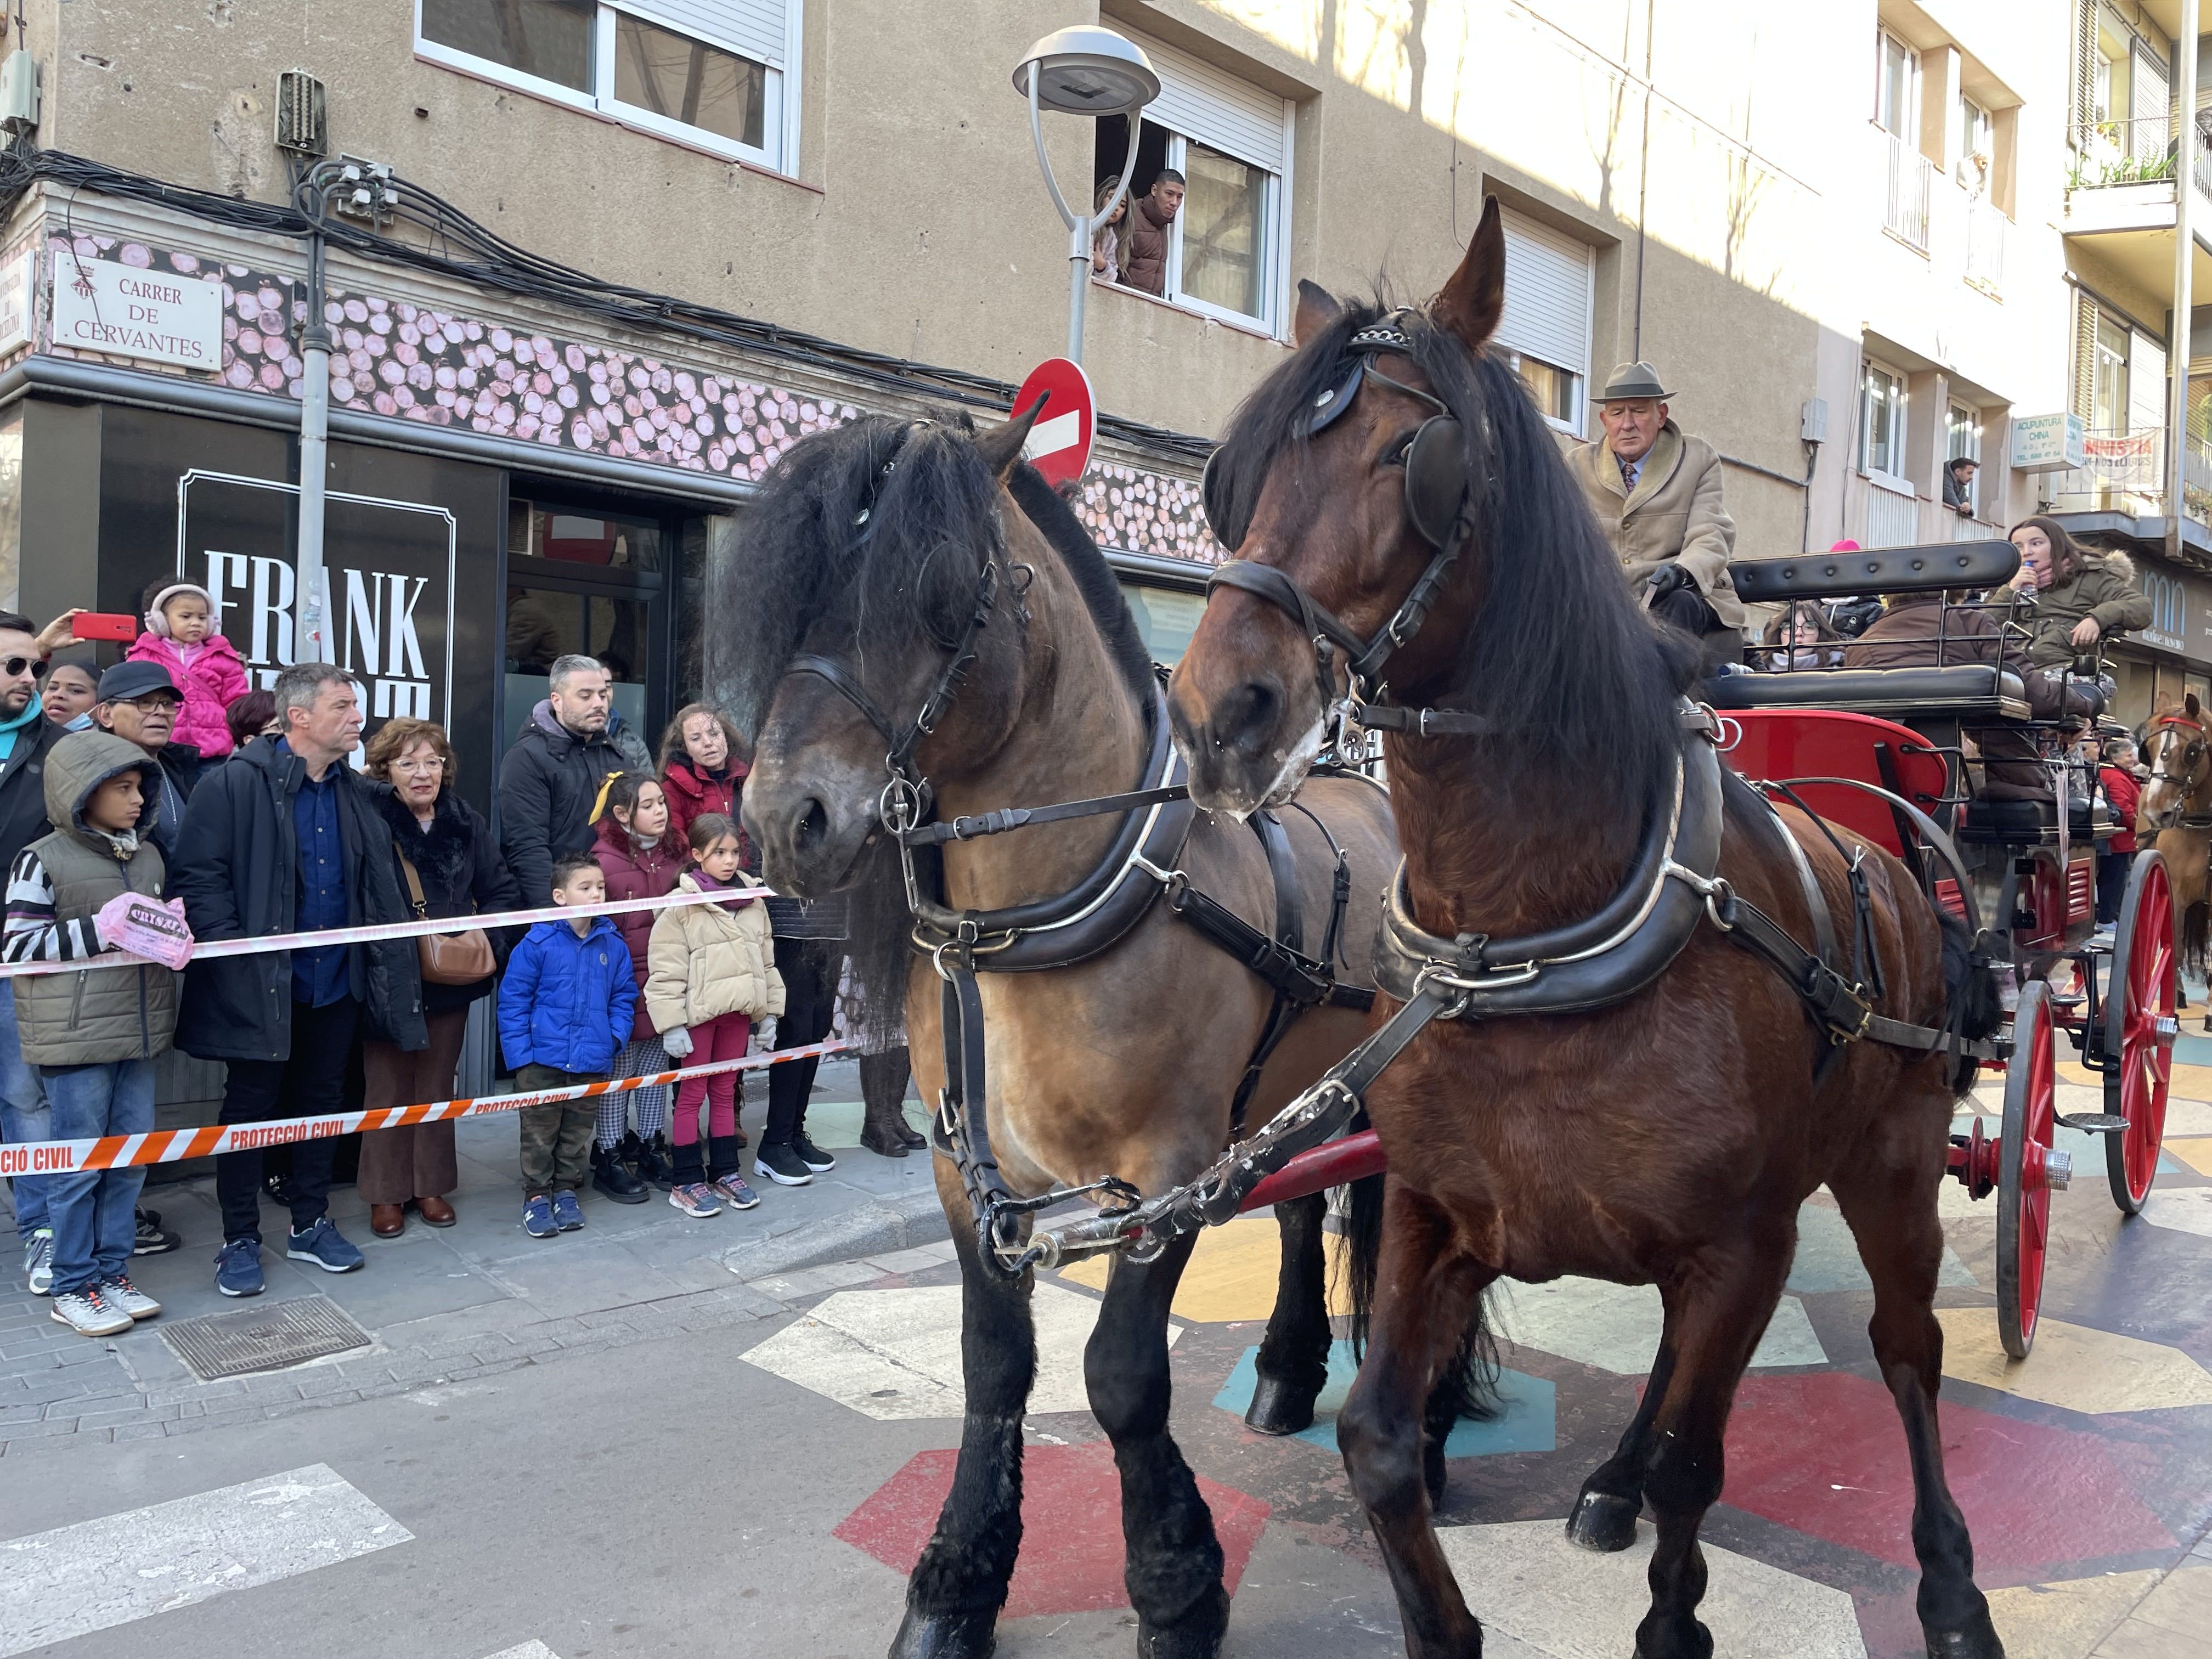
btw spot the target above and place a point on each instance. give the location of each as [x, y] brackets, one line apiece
[101, 305]
[389, 569]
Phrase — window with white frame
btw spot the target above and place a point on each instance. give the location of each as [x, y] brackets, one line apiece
[1977, 147]
[1228, 246]
[716, 74]
[1962, 438]
[1881, 420]
[1550, 282]
[1896, 88]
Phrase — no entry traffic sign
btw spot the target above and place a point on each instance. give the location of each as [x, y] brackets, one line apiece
[1058, 445]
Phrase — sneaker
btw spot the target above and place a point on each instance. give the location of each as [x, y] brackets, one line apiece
[782, 1166]
[695, 1198]
[39, 1260]
[120, 1293]
[612, 1177]
[811, 1155]
[325, 1246]
[537, 1218]
[153, 1238]
[238, 1267]
[567, 1214]
[734, 1193]
[89, 1313]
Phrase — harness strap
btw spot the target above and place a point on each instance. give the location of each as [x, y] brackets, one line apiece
[1021, 817]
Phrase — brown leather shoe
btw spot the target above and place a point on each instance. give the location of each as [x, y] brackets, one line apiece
[388, 1220]
[436, 1211]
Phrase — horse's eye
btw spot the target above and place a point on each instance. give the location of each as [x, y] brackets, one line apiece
[1395, 455]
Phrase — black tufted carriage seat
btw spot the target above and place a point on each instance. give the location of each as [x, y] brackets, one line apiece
[1967, 692]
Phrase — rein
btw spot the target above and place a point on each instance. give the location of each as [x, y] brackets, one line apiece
[1672, 888]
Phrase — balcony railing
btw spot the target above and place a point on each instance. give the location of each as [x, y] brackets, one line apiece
[1986, 228]
[1906, 210]
[2107, 155]
[1876, 514]
[2125, 472]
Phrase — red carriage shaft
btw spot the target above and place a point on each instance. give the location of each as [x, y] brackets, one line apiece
[1351, 1158]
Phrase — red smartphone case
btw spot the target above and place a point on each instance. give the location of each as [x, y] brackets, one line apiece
[100, 625]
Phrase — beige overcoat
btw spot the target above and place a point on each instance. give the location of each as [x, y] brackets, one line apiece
[1675, 514]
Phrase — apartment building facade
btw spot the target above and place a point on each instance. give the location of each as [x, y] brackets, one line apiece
[1843, 232]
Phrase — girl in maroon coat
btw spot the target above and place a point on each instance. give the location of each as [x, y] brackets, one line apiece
[642, 859]
[700, 768]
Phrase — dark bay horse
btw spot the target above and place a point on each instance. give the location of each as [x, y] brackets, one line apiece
[1666, 1136]
[876, 558]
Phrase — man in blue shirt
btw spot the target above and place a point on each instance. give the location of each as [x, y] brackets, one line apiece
[286, 839]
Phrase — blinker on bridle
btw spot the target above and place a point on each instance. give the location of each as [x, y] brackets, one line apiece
[1436, 504]
[906, 797]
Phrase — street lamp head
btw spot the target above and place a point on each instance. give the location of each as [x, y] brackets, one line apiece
[1088, 70]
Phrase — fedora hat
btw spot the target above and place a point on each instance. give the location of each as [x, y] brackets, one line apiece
[1629, 381]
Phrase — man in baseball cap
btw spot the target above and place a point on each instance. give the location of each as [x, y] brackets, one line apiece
[1656, 493]
[139, 701]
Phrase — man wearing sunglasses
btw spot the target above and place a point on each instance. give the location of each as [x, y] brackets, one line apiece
[25, 736]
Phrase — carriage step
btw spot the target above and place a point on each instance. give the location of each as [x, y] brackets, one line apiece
[2069, 1001]
[2094, 1123]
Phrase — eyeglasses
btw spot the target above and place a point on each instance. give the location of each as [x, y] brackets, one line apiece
[14, 666]
[153, 701]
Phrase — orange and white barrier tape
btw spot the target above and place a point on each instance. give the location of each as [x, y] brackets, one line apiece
[42, 1157]
[209, 950]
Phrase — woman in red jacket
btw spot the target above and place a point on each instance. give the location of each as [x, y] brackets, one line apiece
[700, 768]
[2122, 794]
[642, 859]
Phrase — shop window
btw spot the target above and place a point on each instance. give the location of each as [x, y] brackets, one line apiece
[713, 73]
[586, 582]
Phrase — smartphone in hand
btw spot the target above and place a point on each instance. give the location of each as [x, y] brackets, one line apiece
[105, 625]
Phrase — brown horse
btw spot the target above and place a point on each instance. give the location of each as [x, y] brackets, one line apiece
[1666, 1138]
[2176, 806]
[878, 557]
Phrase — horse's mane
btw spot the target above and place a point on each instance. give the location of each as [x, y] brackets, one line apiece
[900, 584]
[1559, 653]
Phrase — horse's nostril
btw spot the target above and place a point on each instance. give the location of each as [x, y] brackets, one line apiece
[1248, 719]
[812, 828]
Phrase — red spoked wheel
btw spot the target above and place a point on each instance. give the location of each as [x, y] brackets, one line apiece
[2139, 1030]
[2027, 1169]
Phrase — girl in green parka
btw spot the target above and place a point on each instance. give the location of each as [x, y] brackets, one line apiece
[2072, 596]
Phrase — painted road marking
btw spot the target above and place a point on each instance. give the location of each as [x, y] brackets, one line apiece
[2182, 1210]
[1616, 1327]
[2067, 1618]
[2073, 1367]
[895, 1355]
[1827, 1256]
[533, 1649]
[1232, 1272]
[99, 1574]
[1526, 1421]
[1523, 1577]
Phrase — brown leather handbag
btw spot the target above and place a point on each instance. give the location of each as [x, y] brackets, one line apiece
[461, 958]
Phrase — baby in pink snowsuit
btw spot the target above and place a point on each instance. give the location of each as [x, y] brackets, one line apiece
[180, 636]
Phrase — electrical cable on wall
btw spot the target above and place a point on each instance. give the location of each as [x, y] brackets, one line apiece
[487, 260]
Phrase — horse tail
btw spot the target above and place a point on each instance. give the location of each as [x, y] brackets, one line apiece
[2196, 937]
[1970, 993]
[1469, 1386]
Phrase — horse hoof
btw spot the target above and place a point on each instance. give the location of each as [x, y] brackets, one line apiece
[1977, 1641]
[1280, 1408]
[945, 1636]
[1198, 1636]
[1603, 1521]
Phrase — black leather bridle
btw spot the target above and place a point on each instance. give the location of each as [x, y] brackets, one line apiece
[1438, 504]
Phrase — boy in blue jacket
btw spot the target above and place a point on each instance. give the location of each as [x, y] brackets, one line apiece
[565, 1006]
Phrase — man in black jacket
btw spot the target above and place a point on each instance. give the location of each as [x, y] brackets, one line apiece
[288, 840]
[552, 775]
[140, 702]
[25, 736]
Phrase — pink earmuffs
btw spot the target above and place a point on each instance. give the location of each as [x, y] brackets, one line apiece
[158, 625]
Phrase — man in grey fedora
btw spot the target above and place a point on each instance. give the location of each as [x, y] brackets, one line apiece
[1656, 493]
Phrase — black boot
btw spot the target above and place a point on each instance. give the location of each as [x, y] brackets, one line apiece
[656, 1163]
[611, 1175]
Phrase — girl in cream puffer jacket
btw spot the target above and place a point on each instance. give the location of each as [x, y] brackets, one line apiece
[710, 972]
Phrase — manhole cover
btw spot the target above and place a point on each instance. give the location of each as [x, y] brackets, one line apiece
[262, 1339]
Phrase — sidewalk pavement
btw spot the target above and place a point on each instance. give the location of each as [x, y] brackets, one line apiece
[481, 1296]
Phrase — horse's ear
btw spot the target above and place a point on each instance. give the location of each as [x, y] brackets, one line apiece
[2189, 705]
[1317, 309]
[1001, 446]
[1472, 300]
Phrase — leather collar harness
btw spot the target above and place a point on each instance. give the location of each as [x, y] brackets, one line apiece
[1672, 887]
[2167, 723]
[1085, 920]
[1438, 505]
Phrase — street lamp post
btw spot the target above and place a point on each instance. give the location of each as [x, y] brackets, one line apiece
[1093, 71]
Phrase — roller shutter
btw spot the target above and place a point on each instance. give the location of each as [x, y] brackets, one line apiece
[752, 28]
[1547, 294]
[1214, 107]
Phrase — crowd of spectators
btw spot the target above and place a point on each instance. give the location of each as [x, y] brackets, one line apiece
[167, 782]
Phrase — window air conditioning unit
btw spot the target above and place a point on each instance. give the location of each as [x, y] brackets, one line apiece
[303, 126]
